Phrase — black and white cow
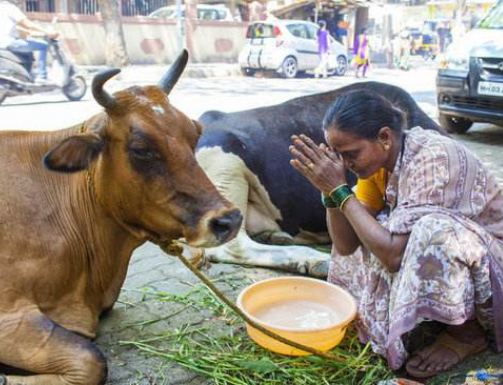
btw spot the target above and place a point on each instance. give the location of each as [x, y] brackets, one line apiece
[246, 156]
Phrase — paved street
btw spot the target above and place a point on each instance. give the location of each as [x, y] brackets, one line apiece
[138, 315]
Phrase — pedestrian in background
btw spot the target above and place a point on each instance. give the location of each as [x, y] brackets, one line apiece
[362, 53]
[405, 46]
[323, 49]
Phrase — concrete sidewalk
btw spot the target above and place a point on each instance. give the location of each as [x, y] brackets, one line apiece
[193, 70]
[208, 70]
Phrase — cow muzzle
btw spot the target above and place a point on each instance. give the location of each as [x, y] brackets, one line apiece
[216, 228]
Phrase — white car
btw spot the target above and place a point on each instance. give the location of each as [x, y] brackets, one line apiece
[288, 47]
[204, 12]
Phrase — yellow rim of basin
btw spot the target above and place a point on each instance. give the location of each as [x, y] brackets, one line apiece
[346, 321]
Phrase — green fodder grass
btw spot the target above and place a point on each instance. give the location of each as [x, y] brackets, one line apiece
[221, 350]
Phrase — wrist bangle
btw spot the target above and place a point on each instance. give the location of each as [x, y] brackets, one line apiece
[341, 207]
[340, 194]
[337, 189]
[328, 202]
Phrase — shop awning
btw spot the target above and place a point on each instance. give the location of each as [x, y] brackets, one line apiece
[304, 3]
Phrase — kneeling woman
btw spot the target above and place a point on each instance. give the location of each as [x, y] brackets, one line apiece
[421, 240]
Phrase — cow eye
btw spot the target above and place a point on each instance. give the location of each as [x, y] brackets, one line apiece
[142, 153]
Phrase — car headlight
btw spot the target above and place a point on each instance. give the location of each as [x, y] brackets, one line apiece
[454, 62]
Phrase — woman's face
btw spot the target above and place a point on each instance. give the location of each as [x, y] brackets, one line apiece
[363, 157]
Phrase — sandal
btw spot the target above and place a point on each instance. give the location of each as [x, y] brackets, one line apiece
[445, 341]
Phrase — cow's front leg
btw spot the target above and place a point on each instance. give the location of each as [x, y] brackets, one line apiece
[296, 259]
[240, 186]
[32, 342]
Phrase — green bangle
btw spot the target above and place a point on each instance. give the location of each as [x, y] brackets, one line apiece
[341, 207]
[328, 202]
[337, 189]
[340, 194]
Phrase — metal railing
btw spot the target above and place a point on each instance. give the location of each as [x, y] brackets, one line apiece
[39, 6]
[141, 7]
[90, 7]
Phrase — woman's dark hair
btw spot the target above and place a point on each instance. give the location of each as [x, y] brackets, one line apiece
[363, 113]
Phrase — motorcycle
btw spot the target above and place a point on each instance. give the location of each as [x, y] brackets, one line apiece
[16, 77]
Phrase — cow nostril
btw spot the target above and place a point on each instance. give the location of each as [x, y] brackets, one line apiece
[225, 225]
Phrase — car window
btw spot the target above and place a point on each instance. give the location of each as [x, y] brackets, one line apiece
[202, 13]
[494, 19]
[260, 30]
[222, 14]
[163, 14]
[312, 31]
[207, 14]
[297, 30]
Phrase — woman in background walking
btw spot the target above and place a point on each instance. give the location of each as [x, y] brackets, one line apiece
[323, 49]
[362, 53]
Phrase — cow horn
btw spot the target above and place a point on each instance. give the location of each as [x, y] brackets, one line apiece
[100, 95]
[169, 80]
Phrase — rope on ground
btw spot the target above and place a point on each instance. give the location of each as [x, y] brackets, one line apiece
[174, 248]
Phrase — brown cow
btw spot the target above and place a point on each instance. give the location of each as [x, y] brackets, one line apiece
[125, 176]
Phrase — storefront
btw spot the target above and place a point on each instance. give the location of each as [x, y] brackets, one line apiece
[344, 18]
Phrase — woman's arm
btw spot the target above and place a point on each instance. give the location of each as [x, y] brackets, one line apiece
[354, 225]
[387, 247]
[343, 236]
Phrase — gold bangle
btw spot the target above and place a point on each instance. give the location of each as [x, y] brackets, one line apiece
[341, 206]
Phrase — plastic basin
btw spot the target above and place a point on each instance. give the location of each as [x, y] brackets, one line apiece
[305, 310]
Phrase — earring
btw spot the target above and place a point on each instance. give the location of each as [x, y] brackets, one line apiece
[384, 145]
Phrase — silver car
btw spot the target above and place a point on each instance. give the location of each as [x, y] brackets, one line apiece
[288, 47]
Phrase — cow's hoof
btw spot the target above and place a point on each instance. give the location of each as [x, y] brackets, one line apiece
[274, 238]
[319, 269]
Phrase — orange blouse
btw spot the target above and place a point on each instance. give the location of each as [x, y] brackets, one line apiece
[371, 190]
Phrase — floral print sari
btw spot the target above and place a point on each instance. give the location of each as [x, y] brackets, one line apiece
[452, 208]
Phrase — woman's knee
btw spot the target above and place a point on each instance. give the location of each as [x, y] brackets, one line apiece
[433, 219]
[433, 226]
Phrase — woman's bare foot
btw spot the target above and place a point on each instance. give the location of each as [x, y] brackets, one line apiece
[454, 345]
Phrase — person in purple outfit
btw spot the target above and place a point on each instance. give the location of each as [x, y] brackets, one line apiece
[362, 53]
[323, 49]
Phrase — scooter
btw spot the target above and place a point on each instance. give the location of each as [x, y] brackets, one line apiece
[16, 77]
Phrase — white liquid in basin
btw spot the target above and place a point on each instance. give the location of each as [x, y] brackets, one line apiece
[299, 315]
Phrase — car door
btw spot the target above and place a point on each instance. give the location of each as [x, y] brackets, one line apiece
[302, 44]
[261, 37]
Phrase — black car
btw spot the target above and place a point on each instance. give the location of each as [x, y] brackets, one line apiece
[470, 86]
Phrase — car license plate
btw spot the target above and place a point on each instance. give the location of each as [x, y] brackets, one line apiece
[490, 88]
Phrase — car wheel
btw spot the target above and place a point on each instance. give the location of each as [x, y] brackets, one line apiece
[453, 124]
[290, 68]
[76, 88]
[248, 71]
[342, 65]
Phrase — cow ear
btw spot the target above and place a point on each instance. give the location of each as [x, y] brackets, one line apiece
[74, 154]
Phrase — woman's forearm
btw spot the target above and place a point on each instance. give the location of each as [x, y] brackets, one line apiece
[341, 232]
[387, 247]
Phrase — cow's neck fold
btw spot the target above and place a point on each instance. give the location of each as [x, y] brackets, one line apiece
[107, 246]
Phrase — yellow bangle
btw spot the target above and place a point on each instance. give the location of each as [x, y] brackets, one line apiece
[341, 206]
